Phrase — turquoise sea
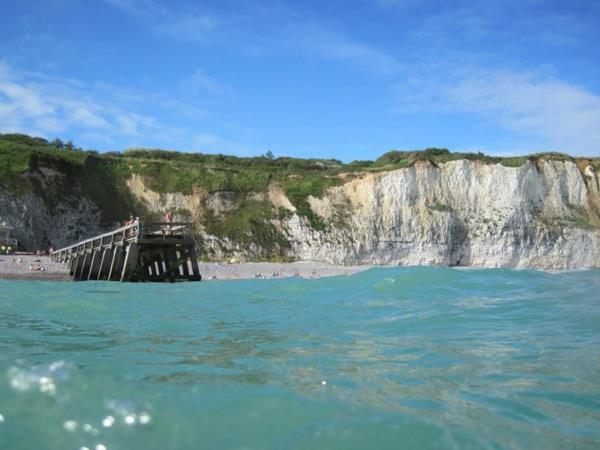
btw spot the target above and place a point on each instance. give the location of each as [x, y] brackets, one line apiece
[385, 359]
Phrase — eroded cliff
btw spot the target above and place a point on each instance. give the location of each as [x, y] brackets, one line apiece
[465, 213]
[460, 213]
[430, 207]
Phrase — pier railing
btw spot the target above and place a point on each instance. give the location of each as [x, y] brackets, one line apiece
[122, 236]
[116, 237]
[165, 230]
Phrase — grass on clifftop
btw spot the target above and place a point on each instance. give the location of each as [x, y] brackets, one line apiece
[100, 178]
[172, 171]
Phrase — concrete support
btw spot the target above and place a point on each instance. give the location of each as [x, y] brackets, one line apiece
[77, 267]
[85, 267]
[116, 264]
[174, 263]
[94, 265]
[73, 265]
[183, 257]
[143, 264]
[194, 263]
[105, 264]
[150, 269]
[170, 259]
[130, 265]
[157, 264]
[164, 262]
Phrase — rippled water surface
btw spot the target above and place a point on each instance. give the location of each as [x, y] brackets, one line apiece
[385, 359]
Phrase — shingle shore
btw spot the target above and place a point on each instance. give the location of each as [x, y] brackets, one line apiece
[24, 267]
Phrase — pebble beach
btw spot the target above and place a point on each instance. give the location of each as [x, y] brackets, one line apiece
[32, 267]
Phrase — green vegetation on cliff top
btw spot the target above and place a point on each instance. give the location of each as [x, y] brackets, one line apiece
[102, 177]
[173, 171]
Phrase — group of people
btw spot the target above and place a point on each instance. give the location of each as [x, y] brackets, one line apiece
[296, 274]
[36, 266]
[274, 275]
[169, 218]
[130, 221]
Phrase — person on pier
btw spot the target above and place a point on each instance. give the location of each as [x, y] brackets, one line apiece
[169, 221]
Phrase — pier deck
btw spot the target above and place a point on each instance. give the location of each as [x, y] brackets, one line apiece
[136, 252]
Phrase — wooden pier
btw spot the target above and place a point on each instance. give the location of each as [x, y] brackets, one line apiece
[136, 252]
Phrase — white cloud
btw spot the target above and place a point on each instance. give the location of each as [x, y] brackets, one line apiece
[35, 104]
[22, 100]
[104, 114]
[546, 114]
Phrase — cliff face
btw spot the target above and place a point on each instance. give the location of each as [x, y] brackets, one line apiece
[47, 214]
[460, 213]
[542, 214]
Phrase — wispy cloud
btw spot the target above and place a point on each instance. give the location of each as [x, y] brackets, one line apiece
[335, 45]
[544, 113]
[396, 3]
[286, 33]
[142, 99]
[200, 82]
[329, 44]
[502, 23]
[186, 26]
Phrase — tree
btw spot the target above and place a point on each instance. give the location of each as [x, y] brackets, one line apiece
[69, 146]
[57, 144]
[269, 154]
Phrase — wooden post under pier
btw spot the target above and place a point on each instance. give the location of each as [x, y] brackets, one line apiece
[135, 252]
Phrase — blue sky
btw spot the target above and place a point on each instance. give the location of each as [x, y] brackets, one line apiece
[345, 79]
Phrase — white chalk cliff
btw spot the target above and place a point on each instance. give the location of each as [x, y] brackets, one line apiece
[460, 213]
[544, 214]
[467, 213]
